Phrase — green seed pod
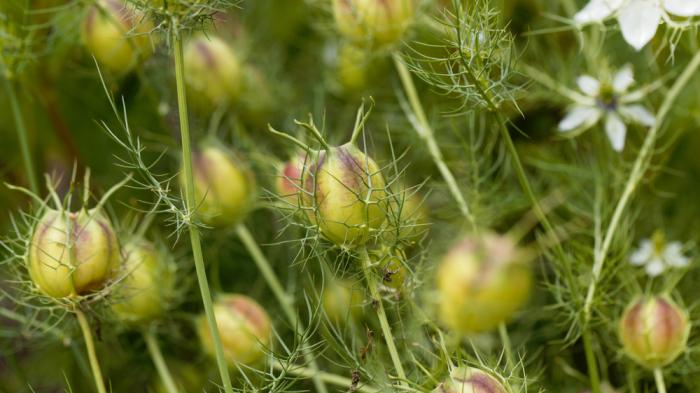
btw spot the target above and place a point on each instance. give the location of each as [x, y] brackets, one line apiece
[224, 187]
[336, 186]
[147, 285]
[353, 64]
[394, 273]
[481, 282]
[341, 300]
[72, 254]
[379, 22]
[654, 331]
[213, 72]
[244, 328]
[117, 35]
[470, 380]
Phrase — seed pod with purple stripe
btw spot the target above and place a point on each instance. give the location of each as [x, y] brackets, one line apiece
[654, 331]
[345, 192]
[72, 254]
[213, 72]
[379, 22]
[470, 380]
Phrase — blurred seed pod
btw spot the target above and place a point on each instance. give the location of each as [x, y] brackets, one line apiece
[244, 327]
[224, 186]
[213, 72]
[481, 282]
[353, 67]
[345, 191]
[148, 284]
[341, 300]
[471, 380]
[72, 254]
[288, 182]
[654, 331]
[117, 35]
[379, 22]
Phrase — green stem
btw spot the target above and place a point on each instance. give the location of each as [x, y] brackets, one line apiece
[508, 348]
[191, 206]
[159, 362]
[23, 138]
[332, 379]
[92, 356]
[284, 300]
[659, 377]
[591, 362]
[381, 314]
[426, 133]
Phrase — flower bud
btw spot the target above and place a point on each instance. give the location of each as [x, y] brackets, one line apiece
[379, 22]
[212, 72]
[148, 282]
[470, 380]
[341, 300]
[224, 187]
[346, 190]
[481, 282]
[117, 35]
[654, 331]
[244, 328]
[72, 254]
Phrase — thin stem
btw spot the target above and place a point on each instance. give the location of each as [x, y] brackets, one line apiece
[381, 314]
[159, 362]
[191, 206]
[591, 362]
[508, 348]
[284, 300]
[659, 377]
[23, 138]
[90, 345]
[332, 379]
[426, 133]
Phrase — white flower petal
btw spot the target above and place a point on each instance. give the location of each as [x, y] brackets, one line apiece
[644, 253]
[623, 79]
[616, 131]
[673, 255]
[578, 116]
[638, 114]
[638, 21]
[655, 267]
[682, 7]
[588, 85]
[597, 10]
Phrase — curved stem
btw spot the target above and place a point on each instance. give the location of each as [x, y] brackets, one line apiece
[284, 300]
[159, 362]
[23, 138]
[191, 206]
[373, 286]
[333, 379]
[90, 346]
[659, 378]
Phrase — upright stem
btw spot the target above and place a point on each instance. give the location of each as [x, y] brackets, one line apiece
[426, 133]
[505, 340]
[381, 314]
[659, 377]
[191, 206]
[591, 362]
[23, 138]
[90, 345]
[285, 301]
[159, 362]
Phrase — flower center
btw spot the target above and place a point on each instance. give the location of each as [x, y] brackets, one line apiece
[607, 99]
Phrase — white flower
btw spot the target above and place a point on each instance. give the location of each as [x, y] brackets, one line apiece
[638, 19]
[656, 255]
[610, 102]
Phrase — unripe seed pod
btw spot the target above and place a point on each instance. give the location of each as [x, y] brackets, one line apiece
[470, 380]
[394, 273]
[341, 300]
[148, 282]
[117, 35]
[244, 328]
[72, 254]
[346, 191]
[481, 282]
[224, 187]
[212, 72]
[380, 22]
[353, 63]
[654, 331]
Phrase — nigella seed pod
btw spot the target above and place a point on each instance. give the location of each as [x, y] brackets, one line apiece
[471, 380]
[244, 327]
[345, 191]
[379, 22]
[72, 254]
[654, 331]
[353, 66]
[224, 187]
[341, 300]
[117, 35]
[481, 282]
[148, 282]
[213, 72]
